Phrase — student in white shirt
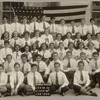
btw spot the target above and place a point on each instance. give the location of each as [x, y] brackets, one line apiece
[58, 40]
[25, 66]
[72, 28]
[53, 27]
[16, 86]
[15, 26]
[42, 67]
[5, 51]
[24, 27]
[82, 81]
[43, 24]
[95, 69]
[3, 81]
[61, 51]
[62, 28]
[33, 78]
[33, 26]
[83, 29]
[15, 39]
[47, 37]
[16, 55]
[69, 67]
[92, 28]
[68, 40]
[37, 39]
[5, 27]
[58, 80]
[55, 59]
[52, 48]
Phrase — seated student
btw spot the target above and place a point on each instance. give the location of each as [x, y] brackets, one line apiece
[58, 40]
[15, 39]
[82, 82]
[34, 77]
[55, 59]
[27, 52]
[37, 39]
[16, 86]
[85, 60]
[25, 66]
[34, 52]
[90, 50]
[95, 68]
[17, 54]
[67, 40]
[47, 37]
[45, 53]
[52, 47]
[69, 67]
[5, 51]
[61, 51]
[42, 67]
[58, 80]
[3, 81]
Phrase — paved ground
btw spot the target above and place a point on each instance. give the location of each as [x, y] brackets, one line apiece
[70, 94]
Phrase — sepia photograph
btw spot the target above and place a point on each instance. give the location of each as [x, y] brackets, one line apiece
[49, 49]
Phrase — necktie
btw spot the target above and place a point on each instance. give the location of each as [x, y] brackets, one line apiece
[14, 42]
[81, 76]
[24, 27]
[8, 68]
[73, 30]
[15, 26]
[23, 68]
[17, 55]
[26, 43]
[5, 28]
[57, 78]
[52, 27]
[96, 64]
[44, 26]
[93, 31]
[34, 27]
[63, 30]
[34, 78]
[68, 66]
[82, 31]
[16, 78]
[5, 52]
[61, 55]
[38, 69]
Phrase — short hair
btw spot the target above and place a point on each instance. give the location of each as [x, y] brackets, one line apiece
[58, 34]
[95, 53]
[61, 43]
[32, 65]
[45, 45]
[38, 55]
[9, 55]
[52, 17]
[80, 62]
[1, 66]
[6, 42]
[79, 44]
[70, 43]
[69, 52]
[82, 53]
[82, 19]
[92, 19]
[16, 64]
[90, 43]
[56, 63]
[24, 55]
[62, 20]
[24, 17]
[15, 16]
[54, 53]
[28, 47]
[26, 32]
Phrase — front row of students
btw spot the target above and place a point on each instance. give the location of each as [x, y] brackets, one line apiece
[58, 80]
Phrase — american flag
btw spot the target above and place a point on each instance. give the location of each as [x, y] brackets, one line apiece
[68, 13]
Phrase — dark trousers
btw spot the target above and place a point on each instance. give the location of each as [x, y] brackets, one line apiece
[95, 79]
[56, 87]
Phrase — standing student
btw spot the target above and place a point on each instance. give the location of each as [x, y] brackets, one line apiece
[58, 80]
[82, 81]
[16, 86]
[33, 78]
[3, 81]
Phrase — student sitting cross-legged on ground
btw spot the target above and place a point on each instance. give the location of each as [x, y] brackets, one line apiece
[16, 86]
[33, 78]
[58, 80]
[82, 82]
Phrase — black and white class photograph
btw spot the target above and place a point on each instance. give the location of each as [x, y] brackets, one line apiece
[49, 49]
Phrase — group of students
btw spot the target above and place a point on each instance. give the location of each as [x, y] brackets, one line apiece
[65, 57]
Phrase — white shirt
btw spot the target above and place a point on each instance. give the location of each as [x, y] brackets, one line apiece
[62, 79]
[29, 55]
[3, 79]
[62, 29]
[42, 67]
[13, 79]
[87, 41]
[51, 65]
[96, 44]
[90, 29]
[24, 27]
[56, 42]
[72, 65]
[15, 27]
[53, 28]
[16, 56]
[47, 39]
[31, 27]
[93, 67]
[83, 30]
[77, 80]
[30, 78]
[41, 26]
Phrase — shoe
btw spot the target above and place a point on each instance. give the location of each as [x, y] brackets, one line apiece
[93, 94]
[77, 94]
[63, 94]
